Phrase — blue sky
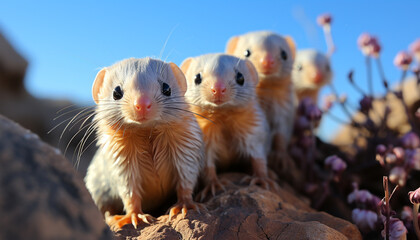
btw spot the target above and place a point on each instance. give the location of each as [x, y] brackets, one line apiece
[67, 42]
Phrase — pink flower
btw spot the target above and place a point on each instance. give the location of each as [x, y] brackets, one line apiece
[309, 109]
[336, 164]
[398, 175]
[328, 102]
[362, 197]
[410, 140]
[399, 152]
[403, 60]
[390, 158]
[413, 158]
[414, 196]
[364, 40]
[324, 19]
[397, 230]
[364, 219]
[375, 48]
[369, 45]
[415, 46]
[380, 149]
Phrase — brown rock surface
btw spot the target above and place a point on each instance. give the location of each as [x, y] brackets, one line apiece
[41, 195]
[34, 113]
[245, 212]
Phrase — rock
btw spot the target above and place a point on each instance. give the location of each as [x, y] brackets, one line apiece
[12, 67]
[38, 114]
[248, 212]
[42, 197]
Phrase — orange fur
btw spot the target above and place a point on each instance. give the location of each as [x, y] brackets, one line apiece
[144, 156]
[273, 57]
[234, 127]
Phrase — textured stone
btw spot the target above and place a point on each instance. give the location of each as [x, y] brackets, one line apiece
[248, 212]
[42, 197]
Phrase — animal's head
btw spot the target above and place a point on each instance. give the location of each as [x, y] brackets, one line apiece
[219, 80]
[139, 91]
[311, 70]
[271, 54]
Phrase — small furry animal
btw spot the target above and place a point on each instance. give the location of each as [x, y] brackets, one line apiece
[311, 71]
[222, 88]
[150, 144]
[273, 57]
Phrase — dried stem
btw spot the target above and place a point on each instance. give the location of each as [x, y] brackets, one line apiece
[382, 73]
[369, 74]
[343, 106]
[387, 209]
[355, 85]
[329, 40]
[416, 219]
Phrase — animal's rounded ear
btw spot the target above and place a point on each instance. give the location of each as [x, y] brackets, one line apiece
[179, 76]
[252, 71]
[292, 45]
[185, 65]
[231, 45]
[97, 84]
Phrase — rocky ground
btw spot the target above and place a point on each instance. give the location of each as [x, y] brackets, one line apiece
[44, 198]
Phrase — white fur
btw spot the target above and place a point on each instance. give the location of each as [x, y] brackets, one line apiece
[231, 136]
[310, 58]
[150, 160]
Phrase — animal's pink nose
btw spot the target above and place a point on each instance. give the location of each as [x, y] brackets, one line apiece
[317, 77]
[267, 62]
[143, 105]
[218, 89]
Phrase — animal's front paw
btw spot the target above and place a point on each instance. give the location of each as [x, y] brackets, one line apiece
[116, 222]
[263, 182]
[212, 188]
[183, 206]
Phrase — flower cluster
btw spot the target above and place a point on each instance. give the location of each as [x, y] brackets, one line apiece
[337, 166]
[369, 45]
[397, 230]
[365, 214]
[403, 60]
[401, 159]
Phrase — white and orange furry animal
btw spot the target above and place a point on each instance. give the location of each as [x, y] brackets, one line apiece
[150, 144]
[273, 56]
[221, 88]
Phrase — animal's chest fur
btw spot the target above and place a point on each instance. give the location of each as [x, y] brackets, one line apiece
[227, 135]
[144, 167]
[279, 105]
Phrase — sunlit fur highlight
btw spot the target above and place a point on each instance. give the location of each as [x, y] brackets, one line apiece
[142, 163]
[237, 129]
[310, 61]
[275, 92]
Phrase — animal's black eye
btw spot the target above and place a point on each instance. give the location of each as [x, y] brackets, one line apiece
[299, 67]
[239, 78]
[247, 53]
[283, 55]
[166, 90]
[198, 79]
[118, 93]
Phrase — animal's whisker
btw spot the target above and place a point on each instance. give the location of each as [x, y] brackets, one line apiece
[184, 110]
